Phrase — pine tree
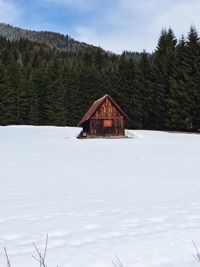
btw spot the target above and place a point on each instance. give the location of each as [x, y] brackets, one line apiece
[5, 97]
[54, 95]
[178, 102]
[13, 107]
[145, 89]
[23, 98]
[192, 70]
[71, 87]
[126, 91]
[164, 71]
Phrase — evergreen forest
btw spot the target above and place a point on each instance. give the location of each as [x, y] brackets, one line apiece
[42, 85]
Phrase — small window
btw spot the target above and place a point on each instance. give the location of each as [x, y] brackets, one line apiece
[107, 123]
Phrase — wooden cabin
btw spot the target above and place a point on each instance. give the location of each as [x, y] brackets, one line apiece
[103, 119]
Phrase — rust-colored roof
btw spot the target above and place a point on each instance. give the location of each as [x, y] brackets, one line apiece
[96, 105]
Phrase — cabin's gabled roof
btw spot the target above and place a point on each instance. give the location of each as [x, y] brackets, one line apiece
[96, 105]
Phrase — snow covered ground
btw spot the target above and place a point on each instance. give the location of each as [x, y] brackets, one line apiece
[138, 198]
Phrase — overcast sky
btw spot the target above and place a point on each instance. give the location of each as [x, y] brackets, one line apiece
[115, 25]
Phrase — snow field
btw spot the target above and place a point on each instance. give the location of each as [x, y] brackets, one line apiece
[138, 198]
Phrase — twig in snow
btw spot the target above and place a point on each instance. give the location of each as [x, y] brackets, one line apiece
[117, 263]
[7, 258]
[197, 256]
[41, 258]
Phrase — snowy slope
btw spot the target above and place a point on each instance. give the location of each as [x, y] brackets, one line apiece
[138, 198]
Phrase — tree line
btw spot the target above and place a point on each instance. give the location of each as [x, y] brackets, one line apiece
[40, 85]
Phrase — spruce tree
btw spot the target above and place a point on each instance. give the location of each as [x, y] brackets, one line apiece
[5, 97]
[164, 75]
[192, 70]
[145, 89]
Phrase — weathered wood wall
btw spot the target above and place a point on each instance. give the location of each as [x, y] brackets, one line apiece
[107, 120]
[106, 110]
[97, 127]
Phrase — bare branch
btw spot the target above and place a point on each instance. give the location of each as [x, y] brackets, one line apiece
[117, 263]
[41, 258]
[197, 256]
[7, 258]
[39, 254]
[36, 259]
[114, 264]
[45, 249]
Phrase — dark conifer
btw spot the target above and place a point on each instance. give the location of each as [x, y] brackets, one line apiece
[164, 71]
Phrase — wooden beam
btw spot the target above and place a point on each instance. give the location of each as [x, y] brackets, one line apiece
[105, 118]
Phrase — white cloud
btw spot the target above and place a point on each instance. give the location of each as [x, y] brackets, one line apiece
[9, 12]
[118, 25]
[81, 5]
[136, 25]
[180, 17]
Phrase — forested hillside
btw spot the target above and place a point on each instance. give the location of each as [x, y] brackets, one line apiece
[61, 42]
[42, 85]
